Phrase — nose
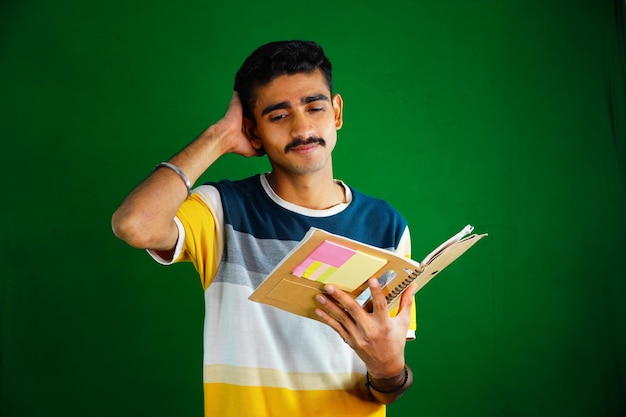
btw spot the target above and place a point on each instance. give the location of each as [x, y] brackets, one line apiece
[301, 126]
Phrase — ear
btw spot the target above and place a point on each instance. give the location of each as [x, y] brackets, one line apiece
[338, 108]
[249, 130]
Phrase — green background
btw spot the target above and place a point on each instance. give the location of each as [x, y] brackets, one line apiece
[508, 114]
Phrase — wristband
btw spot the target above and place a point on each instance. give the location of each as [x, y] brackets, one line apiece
[178, 171]
[391, 391]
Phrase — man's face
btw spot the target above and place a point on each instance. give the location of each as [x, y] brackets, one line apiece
[296, 123]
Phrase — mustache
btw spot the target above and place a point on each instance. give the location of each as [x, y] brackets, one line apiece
[308, 141]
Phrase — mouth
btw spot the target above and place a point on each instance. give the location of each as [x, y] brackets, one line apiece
[301, 145]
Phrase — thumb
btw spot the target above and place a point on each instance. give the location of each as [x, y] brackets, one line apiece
[407, 300]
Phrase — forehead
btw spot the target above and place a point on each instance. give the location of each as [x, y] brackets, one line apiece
[291, 88]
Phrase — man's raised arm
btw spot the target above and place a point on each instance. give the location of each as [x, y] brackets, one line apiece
[145, 218]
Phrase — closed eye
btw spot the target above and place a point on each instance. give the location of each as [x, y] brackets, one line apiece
[317, 107]
[277, 117]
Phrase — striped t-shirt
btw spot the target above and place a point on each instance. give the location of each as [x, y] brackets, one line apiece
[259, 360]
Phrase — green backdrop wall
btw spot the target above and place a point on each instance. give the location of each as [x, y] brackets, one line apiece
[508, 114]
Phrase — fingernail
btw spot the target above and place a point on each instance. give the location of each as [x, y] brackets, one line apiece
[321, 299]
[330, 289]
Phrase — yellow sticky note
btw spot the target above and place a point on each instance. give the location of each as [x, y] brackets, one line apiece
[355, 271]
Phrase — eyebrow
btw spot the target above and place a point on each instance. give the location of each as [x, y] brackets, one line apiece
[286, 105]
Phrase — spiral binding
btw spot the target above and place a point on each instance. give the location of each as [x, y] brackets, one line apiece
[393, 294]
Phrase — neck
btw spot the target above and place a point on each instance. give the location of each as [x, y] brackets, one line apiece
[316, 192]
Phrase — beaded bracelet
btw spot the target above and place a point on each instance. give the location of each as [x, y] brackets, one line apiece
[392, 391]
[178, 171]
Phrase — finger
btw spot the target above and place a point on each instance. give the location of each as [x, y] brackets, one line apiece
[334, 324]
[346, 302]
[235, 100]
[406, 300]
[379, 301]
[234, 106]
[335, 310]
[334, 316]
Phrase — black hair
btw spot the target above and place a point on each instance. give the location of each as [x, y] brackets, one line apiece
[275, 59]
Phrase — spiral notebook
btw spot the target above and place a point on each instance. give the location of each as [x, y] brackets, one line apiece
[324, 258]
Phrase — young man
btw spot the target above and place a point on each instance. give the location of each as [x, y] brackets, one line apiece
[259, 360]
